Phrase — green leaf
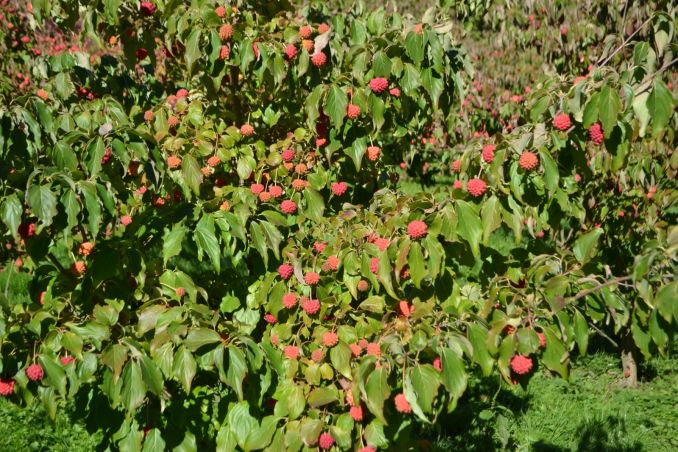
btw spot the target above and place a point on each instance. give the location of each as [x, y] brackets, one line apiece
[414, 45]
[375, 304]
[151, 375]
[417, 265]
[425, 382]
[172, 240]
[133, 387]
[660, 105]
[376, 391]
[490, 215]
[454, 374]
[340, 355]
[54, 374]
[241, 422]
[193, 50]
[198, 337]
[154, 442]
[261, 436]
[381, 65]
[191, 172]
[477, 335]
[315, 204]
[207, 241]
[551, 176]
[665, 300]
[581, 332]
[237, 370]
[609, 106]
[64, 157]
[585, 246]
[591, 111]
[115, 357]
[336, 104]
[357, 151]
[10, 212]
[321, 396]
[184, 368]
[555, 356]
[43, 203]
[469, 226]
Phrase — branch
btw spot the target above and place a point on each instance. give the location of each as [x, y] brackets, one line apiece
[623, 44]
[611, 282]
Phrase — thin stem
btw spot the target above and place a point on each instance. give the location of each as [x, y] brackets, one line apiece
[623, 44]
[611, 282]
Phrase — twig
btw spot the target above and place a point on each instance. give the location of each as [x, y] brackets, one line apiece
[623, 44]
[599, 286]
[599, 331]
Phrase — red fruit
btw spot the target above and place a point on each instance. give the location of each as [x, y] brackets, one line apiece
[353, 111]
[378, 85]
[323, 28]
[285, 271]
[290, 51]
[289, 300]
[542, 340]
[224, 52]
[330, 339]
[476, 187]
[405, 308]
[220, 11]
[270, 318]
[339, 188]
[367, 449]
[288, 155]
[257, 188]
[173, 161]
[6, 387]
[66, 360]
[180, 291]
[563, 30]
[291, 352]
[308, 44]
[247, 130]
[416, 229]
[126, 220]
[34, 372]
[288, 207]
[374, 265]
[18, 263]
[312, 278]
[141, 53]
[42, 297]
[26, 230]
[319, 59]
[401, 404]
[363, 285]
[172, 121]
[596, 133]
[521, 364]
[182, 93]
[333, 263]
[299, 184]
[356, 349]
[395, 92]
[147, 8]
[42, 94]
[562, 121]
[305, 32]
[457, 185]
[577, 178]
[225, 32]
[78, 268]
[310, 306]
[488, 152]
[373, 349]
[373, 152]
[356, 412]
[456, 166]
[363, 343]
[528, 160]
[319, 247]
[86, 248]
[382, 243]
[438, 364]
[326, 440]
[317, 355]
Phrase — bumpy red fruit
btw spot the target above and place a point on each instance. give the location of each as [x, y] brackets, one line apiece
[305, 32]
[476, 187]
[247, 130]
[312, 278]
[224, 52]
[356, 412]
[288, 155]
[317, 355]
[288, 207]
[521, 364]
[382, 243]
[332, 263]
[405, 308]
[66, 360]
[319, 59]
[257, 188]
[289, 300]
[374, 265]
[373, 152]
[562, 121]
[86, 248]
[330, 339]
[291, 352]
[225, 32]
[438, 364]
[311, 306]
[339, 188]
[416, 229]
[353, 111]
[34, 372]
[542, 340]
[456, 166]
[285, 271]
[6, 387]
[356, 349]
[270, 318]
[290, 51]
[367, 449]
[395, 92]
[378, 85]
[363, 285]
[323, 28]
[528, 160]
[373, 349]
[488, 153]
[275, 191]
[401, 404]
[173, 161]
[220, 11]
[126, 220]
[596, 133]
[147, 8]
[326, 440]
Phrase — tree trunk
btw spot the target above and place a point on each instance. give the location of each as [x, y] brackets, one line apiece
[629, 364]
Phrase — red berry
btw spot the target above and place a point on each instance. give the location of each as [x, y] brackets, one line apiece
[126, 220]
[395, 92]
[332, 263]
[319, 59]
[285, 271]
[288, 155]
[488, 153]
[528, 161]
[356, 349]
[405, 308]
[401, 404]
[275, 191]
[288, 207]
[305, 32]
[311, 306]
[247, 130]
[356, 412]
[180, 291]
[476, 187]
[270, 318]
[66, 360]
[596, 133]
[339, 188]
[290, 51]
[173, 161]
[373, 349]
[147, 8]
[291, 352]
[317, 355]
[363, 285]
[289, 300]
[378, 85]
[416, 229]
[457, 185]
[542, 340]
[521, 364]
[562, 121]
[383, 243]
[323, 28]
[325, 441]
[34, 372]
[224, 52]
[225, 32]
[438, 364]
[374, 265]
[456, 166]
[257, 188]
[220, 11]
[312, 278]
[330, 339]
[373, 152]
[6, 387]
[353, 111]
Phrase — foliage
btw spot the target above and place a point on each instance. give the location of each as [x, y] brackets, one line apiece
[206, 200]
